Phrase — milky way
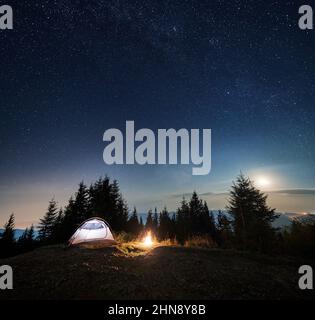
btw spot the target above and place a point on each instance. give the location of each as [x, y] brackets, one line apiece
[72, 69]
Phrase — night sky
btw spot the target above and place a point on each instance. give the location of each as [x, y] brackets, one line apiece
[72, 69]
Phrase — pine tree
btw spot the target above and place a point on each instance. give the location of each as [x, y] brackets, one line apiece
[224, 231]
[183, 223]
[30, 234]
[77, 211]
[213, 232]
[251, 216]
[107, 202]
[149, 222]
[26, 241]
[141, 225]
[8, 234]
[206, 223]
[197, 213]
[122, 214]
[166, 225]
[134, 226]
[68, 222]
[7, 241]
[155, 222]
[22, 238]
[100, 200]
[81, 204]
[58, 233]
[47, 224]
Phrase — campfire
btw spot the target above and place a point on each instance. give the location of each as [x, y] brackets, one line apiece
[147, 240]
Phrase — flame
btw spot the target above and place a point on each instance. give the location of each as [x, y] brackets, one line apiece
[147, 241]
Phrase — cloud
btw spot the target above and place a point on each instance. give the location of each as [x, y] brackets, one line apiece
[180, 195]
[295, 191]
[281, 191]
[189, 194]
[214, 194]
[290, 214]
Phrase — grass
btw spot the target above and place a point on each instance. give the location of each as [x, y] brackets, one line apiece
[200, 242]
[130, 271]
[134, 246]
[132, 249]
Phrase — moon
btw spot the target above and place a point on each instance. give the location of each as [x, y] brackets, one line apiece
[263, 182]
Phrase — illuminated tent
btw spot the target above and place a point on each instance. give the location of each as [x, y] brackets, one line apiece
[94, 230]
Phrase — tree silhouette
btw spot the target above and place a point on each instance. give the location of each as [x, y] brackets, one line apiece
[81, 204]
[30, 235]
[141, 225]
[155, 222]
[213, 232]
[224, 230]
[183, 222]
[194, 219]
[75, 213]
[7, 241]
[166, 228]
[66, 222]
[149, 222]
[251, 216]
[47, 223]
[196, 209]
[133, 225]
[59, 233]
[26, 242]
[107, 202]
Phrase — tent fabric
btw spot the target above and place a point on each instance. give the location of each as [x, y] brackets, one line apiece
[93, 230]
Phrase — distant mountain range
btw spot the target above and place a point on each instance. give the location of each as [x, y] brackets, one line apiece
[307, 218]
[18, 233]
[285, 219]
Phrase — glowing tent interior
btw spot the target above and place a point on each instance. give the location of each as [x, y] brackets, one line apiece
[93, 230]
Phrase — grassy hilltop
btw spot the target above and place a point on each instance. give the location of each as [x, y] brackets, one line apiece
[164, 272]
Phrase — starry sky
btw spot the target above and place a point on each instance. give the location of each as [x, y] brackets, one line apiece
[72, 69]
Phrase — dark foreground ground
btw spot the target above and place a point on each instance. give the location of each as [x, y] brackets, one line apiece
[161, 273]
